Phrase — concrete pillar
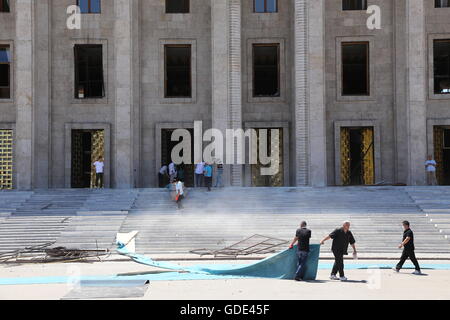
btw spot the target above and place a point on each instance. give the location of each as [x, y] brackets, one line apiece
[301, 93]
[416, 90]
[42, 108]
[24, 97]
[227, 74]
[316, 94]
[123, 129]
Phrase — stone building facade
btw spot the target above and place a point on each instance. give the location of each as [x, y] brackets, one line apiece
[392, 127]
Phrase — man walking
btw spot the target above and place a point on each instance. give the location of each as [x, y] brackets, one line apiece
[207, 172]
[179, 192]
[199, 168]
[99, 168]
[302, 236]
[341, 238]
[408, 249]
[430, 167]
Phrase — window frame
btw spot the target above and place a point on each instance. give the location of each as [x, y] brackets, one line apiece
[188, 7]
[363, 9]
[10, 72]
[265, 7]
[178, 45]
[76, 73]
[437, 6]
[368, 85]
[278, 46]
[2, 5]
[90, 7]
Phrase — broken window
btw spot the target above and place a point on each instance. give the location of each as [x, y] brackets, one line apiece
[265, 6]
[178, 83]
[89, 71]
[89, 6]
[4, 6]
[354, 4]
[266, 70]
[5, 72]
[441, 54]
[355, 69]
[442, 3]
[177, 6]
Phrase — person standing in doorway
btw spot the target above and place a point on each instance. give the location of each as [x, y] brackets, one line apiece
[163, 175]
[430, 167]
[208, 173]
[219, 175]
[172, 172]
[408, 249]
[302, 236]
[199, 167]
[99, 169]
[341, 238]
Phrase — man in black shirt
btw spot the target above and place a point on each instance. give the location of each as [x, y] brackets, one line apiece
[408, 249]
[302, 236]
[341, 238]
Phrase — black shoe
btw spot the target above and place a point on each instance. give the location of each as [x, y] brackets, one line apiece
[298, 279]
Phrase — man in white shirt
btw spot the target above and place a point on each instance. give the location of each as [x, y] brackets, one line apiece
[430, 167]
[199, 168]
[179, 192]
[172, 172]
[99, 168]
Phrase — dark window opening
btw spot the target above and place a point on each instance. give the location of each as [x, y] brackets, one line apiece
[178, 82]
[89, 71]
[266, 70]
[354, 4]
[265, 6]
[355, 69]
[441, 52]
[442, 3]
[5, 72]
[89, 6]
[177, 6]
[4, 6]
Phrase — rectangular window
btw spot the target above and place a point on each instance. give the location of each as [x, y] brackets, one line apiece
[4, 6]
[265, 6]
[89, 71]
[266, 70]
[89, 6]
[355, 69]
[178, 77]
[354, 4]
[177, 6]
[5, 72]
[442, 3]
[441, 57]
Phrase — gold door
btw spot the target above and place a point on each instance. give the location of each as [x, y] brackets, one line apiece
[98, 151]
[345, 156]
[77, 159]
[438, 138]
[368, 156]
[6, 159]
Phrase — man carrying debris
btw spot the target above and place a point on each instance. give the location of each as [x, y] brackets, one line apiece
[341, 238]
[302, 236]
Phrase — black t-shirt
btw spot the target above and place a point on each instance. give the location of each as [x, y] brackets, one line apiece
[303, 236]
[341, 239]
[410, 245]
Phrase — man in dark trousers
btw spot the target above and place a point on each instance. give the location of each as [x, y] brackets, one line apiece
[408, 249]
[341, 238]
[302, 236]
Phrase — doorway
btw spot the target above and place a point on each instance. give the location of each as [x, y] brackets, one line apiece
[187, 169]
[276, 146]
[6, 159]
[442, 154]
[357, 156]
[87, 147]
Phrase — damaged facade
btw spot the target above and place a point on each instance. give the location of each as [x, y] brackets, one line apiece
[354, 106]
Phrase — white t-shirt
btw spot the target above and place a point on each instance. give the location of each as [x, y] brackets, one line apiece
[431, 165]
[172, 169]
[99, 165]
[199, 168]
[179, 187]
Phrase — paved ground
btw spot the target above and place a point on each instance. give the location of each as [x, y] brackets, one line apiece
[364, 284]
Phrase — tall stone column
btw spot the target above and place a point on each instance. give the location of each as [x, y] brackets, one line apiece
[24, 97]
[301, 92]
[227, 74]
[416, 90]
[123, 129]
[316, 95]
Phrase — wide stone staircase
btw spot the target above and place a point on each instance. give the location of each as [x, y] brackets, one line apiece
[222, 217]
